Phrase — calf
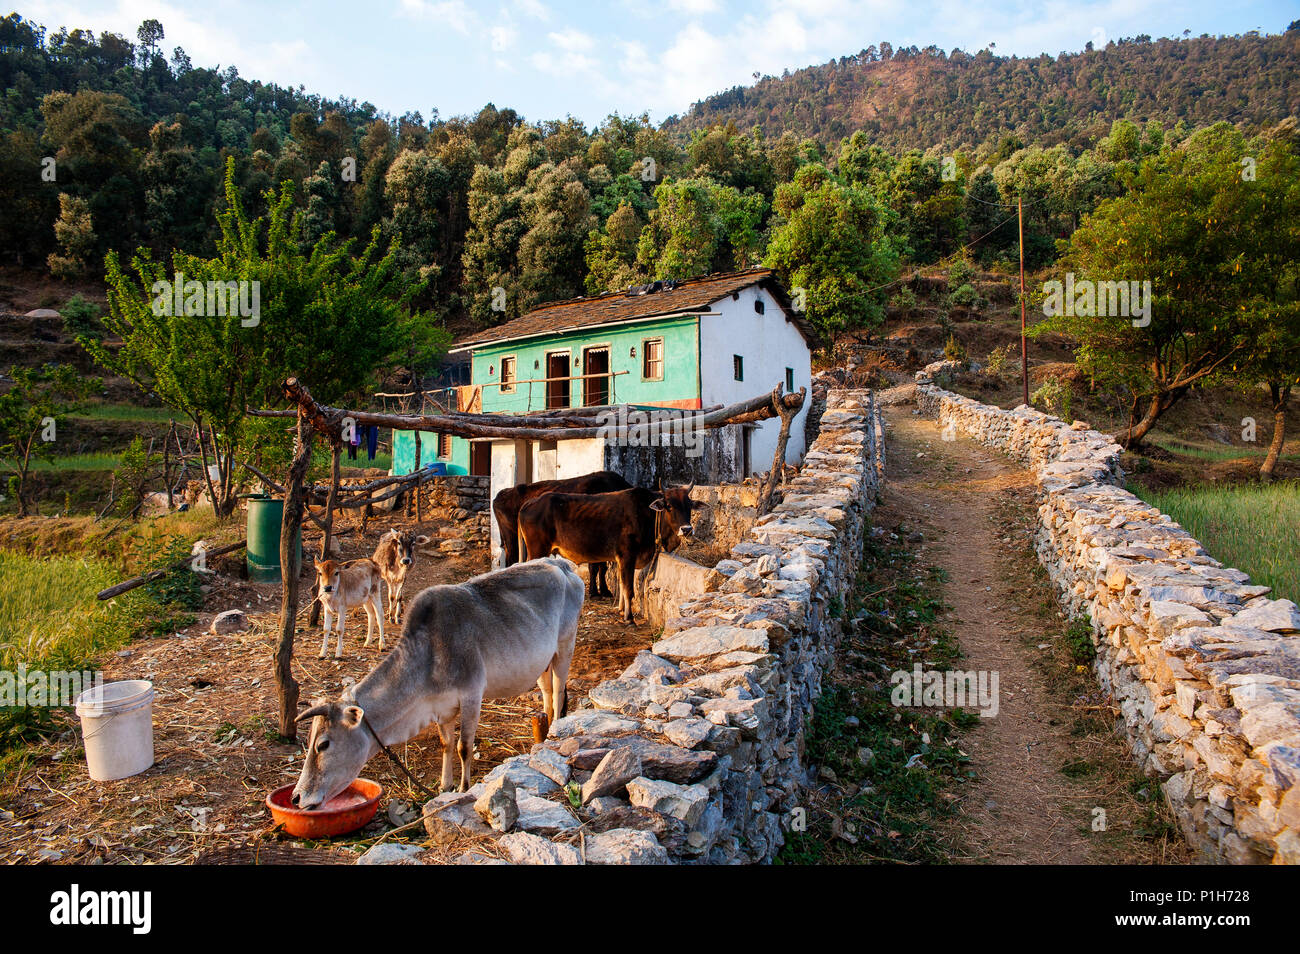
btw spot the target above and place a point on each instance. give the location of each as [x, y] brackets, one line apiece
[394, 556]
[627, 526]
[506, 504]
[492, 637]
[342, 586]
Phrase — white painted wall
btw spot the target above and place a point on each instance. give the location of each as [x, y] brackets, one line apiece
[571, 458]
[769, 344]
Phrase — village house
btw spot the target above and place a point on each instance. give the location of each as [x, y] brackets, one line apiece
[683, 345]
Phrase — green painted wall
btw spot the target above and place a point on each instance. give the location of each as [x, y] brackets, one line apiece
[681, 379]
[404, 453]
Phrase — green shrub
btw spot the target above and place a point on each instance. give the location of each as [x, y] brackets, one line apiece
[998, 360]
[960, 272]
[964, 296]
[904, 299]
[81, 317]
[1054, 395]
[953, 349]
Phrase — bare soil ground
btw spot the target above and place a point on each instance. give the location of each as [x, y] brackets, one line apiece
[1049, 758]
[216, 750]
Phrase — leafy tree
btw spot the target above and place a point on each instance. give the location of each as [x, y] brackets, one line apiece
[1193, 227]
[30, 414]
[834, 241]
[611, 253]
[1271, 311]
[333, 318]
[699, 226]
[75, 233]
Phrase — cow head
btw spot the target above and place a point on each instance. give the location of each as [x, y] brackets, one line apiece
[404, 545]
[327, 575]
[338, 747]
[673, 516]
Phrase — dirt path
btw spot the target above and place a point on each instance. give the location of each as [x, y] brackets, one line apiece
[1023, 809]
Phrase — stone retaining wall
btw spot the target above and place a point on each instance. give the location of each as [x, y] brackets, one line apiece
[695, 753]
[1203, 666]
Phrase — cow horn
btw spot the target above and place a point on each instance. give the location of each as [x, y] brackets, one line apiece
[320, 710]
[690, 488]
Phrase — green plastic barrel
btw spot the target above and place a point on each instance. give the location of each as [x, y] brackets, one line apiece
[265, 515]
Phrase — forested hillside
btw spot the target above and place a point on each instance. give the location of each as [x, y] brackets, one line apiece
[111, 145]
[912, 98]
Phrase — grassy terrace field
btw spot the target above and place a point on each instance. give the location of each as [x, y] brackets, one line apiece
[51, 621]
[1251, 527]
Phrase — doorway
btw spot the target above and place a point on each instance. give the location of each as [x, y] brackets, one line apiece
[557, 379]
[595, 390]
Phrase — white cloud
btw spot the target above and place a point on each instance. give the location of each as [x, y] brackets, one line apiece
[452, 13]
[208, 42]
[503, 37]
[694, 7]
[533, 8]
[574, 41]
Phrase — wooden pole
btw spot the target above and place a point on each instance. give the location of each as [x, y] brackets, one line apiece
[778, 459]
[327, 528]
[290, 567]
[1024, 341]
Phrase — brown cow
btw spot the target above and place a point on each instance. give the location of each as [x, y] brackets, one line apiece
[506, 509]
[627, 526]
[394, 556]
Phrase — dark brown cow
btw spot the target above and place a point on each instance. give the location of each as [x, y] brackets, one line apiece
[506, 509]
[626, 526]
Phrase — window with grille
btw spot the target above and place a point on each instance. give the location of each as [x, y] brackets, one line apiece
[738, 367]
[444, 445]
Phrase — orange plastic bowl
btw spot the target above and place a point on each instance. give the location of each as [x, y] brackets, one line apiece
[344, 813]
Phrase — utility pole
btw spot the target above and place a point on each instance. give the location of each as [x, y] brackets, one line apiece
[1024, 350]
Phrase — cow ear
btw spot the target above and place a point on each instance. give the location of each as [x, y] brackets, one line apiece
[352, 716]
[421, 540]
[699, 505]
[658, 504]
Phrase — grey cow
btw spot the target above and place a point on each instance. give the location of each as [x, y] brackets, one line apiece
[492, 637]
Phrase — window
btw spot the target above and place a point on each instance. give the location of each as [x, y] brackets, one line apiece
[508, 375]
[652, 359]
[789, 380]
[444, 446]
[738, 367]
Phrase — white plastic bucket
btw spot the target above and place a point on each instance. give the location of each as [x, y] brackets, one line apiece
[117, 728]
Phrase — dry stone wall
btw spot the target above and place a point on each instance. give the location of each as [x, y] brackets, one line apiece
[1203, 666]
[695, 753]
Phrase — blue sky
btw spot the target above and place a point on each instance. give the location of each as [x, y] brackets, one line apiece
[548, 59]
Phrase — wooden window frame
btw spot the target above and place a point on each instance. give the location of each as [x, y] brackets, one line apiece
[738, 367]
[645, 358]
[514, 373]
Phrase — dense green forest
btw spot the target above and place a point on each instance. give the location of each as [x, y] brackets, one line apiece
[907, 97]
[109, 145]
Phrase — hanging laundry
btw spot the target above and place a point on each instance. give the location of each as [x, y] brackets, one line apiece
[372, 441]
